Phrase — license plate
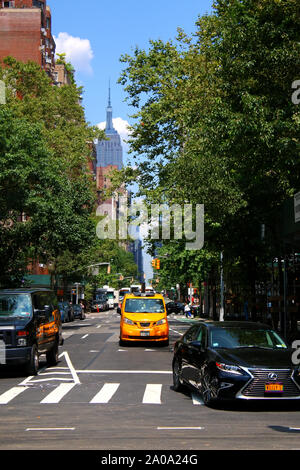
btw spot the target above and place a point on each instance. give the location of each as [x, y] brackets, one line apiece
[274, 388]
[145, 333]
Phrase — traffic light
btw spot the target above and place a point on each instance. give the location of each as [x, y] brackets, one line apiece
[156, 263]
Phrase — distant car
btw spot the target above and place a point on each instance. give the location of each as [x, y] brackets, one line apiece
[100, 305]
[175, 307]
[235, 360]
[78, 312]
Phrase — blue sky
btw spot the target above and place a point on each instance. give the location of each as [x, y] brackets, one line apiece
[107, 29]
[95, 34]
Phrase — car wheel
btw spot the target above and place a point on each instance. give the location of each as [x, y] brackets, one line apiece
[177, 382]
[52, 355]
[33, 365]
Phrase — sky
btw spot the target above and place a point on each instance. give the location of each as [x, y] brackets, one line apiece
[94, 35]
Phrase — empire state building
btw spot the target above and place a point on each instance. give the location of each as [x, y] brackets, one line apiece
[110, 152]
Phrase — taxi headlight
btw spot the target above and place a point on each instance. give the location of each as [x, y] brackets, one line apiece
[128, 322]
[161, 322]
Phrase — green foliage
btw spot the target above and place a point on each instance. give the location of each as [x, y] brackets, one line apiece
[44, 178]
[215, 124]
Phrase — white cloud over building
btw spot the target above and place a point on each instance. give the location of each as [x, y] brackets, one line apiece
[78, 51]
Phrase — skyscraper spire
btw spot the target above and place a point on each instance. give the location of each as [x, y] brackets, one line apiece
[109, 102]
[109, 123]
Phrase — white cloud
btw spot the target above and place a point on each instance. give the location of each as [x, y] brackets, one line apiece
[78, 51]
[122, 127]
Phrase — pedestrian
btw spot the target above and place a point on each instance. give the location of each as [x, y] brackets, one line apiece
[187, 310]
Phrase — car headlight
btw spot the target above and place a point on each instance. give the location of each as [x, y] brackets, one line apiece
[229, 368]
[161, 322]
[128, 322]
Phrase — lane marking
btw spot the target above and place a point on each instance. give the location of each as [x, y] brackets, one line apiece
[50, 429]
[106, 393]
[167, 372]
[85, 336]
[152, 394]
[11, 394]
[71, 367]
[180, 428]
[56, 395]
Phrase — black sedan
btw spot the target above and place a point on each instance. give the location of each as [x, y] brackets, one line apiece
[175, 307]
[235, 360]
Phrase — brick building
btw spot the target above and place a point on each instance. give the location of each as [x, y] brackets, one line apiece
[25, 32]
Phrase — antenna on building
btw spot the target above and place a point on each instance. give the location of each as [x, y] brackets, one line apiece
[109, 101]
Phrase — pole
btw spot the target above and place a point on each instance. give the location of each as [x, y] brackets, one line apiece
[221, 318]
[284, 316]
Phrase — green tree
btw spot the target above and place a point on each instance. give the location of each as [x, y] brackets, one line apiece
[45, 179]
[215, 124]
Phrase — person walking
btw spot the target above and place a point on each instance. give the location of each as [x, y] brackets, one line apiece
[187, 310]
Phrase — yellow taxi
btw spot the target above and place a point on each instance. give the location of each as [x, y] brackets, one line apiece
[144, 318]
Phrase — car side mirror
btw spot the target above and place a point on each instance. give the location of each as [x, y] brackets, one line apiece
[119, 310]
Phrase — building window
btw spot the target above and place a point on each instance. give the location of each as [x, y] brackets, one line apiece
[10, 4]
[38, 4]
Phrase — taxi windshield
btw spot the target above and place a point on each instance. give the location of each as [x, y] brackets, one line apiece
[15, 305]
[144, 306]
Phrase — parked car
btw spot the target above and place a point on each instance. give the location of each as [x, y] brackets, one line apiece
[30, 325]
[78, 312]
[66, 311]
[235, 360]
[175, 307]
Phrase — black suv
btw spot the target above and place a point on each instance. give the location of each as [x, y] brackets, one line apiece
[30, 325]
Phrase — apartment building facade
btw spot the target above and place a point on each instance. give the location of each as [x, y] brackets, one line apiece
[26, 32]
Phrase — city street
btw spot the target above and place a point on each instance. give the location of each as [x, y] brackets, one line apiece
[105, 397]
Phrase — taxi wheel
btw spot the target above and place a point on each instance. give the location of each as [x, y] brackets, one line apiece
[33, 365]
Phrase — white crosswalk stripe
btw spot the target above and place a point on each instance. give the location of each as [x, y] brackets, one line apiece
[58, 393]
[106, 393]
[11, 394]
[151, 394]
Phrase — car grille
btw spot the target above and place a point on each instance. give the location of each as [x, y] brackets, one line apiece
[145, 325]
[256, 386]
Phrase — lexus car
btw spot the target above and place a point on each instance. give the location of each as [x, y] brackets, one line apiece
[235, 360]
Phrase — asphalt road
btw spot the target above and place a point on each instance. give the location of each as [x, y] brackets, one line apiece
[105, 397]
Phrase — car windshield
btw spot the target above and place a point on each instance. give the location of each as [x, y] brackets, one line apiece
[245, 338]
[15, 305]
[144, 305]
[76, 307]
